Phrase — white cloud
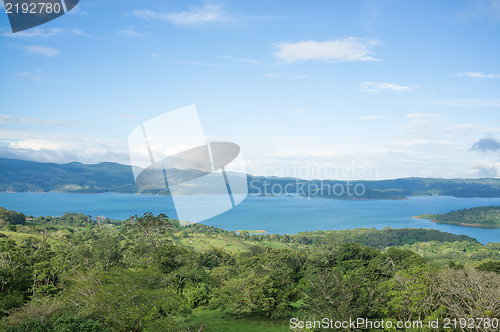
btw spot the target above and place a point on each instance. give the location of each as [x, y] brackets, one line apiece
[247, 60]
[35, 76]
[130, 33]
[422, 122]
[478, 75]
[473, 103]
[371, 117]
[376, 87]
[34, 33]
[70, 149]
[472, 129]
[76, 11]
[338, 50]
[419, 116]
[78, 32]
[41, 50]
[286, 76]
[7, 119]
[58, 146]
[200, 15]
[299, 111]
[238, 59]
[44, 33]
[485, 168]
[36, 145]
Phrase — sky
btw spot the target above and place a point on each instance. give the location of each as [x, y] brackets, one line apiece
[313, 89]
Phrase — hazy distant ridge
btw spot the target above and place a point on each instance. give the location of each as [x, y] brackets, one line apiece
[28, 176]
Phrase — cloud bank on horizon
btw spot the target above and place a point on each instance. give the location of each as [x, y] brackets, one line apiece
[335, 90]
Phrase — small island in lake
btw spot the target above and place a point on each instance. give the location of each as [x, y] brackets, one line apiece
[485, 217]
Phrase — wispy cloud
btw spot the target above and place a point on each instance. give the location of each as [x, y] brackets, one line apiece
[460, 102]
[159, 57]
[77, 11]
[286, 76]
[376, 87]
[472, 129]
[206, 14]
[371, 117]
[78, 32]
[299, 111]
[34, 33]
[41, 50]
[239, 59]
[414, 116]
[484, 168]
[338, 50]
[7, 119]
[44, 33]
[65, 148]
[422, 122]
[130, 32]
[477, 75]
[34, 76]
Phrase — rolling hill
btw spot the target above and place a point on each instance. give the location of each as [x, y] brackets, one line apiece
[28, 176]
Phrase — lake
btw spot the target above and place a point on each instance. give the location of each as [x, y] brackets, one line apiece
[278, 214]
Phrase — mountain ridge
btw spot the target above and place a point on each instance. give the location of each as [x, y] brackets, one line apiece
[30, 176]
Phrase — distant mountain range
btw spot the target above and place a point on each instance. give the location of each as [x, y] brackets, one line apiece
[28, 176]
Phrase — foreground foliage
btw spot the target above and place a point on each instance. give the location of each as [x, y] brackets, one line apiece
[74, 273]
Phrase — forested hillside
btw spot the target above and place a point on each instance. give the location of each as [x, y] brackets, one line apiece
[485, 216]
[78, 273]
[28, 176]
[23, 176]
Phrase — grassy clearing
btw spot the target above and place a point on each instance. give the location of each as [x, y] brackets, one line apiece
[276, 245]
[228, 243]
[216, 321]
[18, 237]
[253, 231]
[202, 241]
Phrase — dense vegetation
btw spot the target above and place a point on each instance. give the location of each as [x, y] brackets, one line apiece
[23, 176]
[76, 273]
[27, 176]
[486, 216]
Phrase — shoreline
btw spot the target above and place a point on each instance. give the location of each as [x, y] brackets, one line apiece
[463, 224]
[249, 194]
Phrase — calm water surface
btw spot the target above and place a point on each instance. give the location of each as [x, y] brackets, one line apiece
[279, 214]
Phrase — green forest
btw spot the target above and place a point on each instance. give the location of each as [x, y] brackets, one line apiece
[147, 273]
[484, 216]
[29, 176]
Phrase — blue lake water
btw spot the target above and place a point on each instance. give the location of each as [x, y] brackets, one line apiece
[280, 214]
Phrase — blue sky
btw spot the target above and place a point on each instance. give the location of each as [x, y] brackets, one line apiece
[322, 89]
